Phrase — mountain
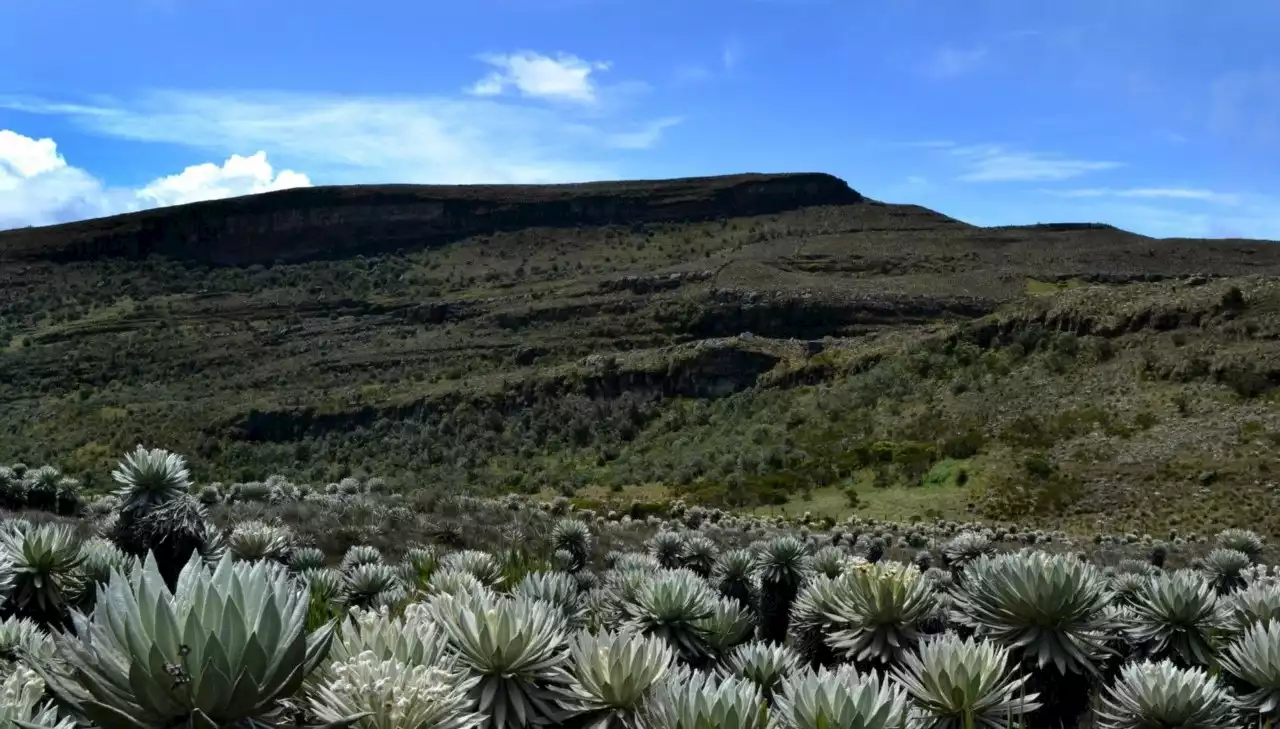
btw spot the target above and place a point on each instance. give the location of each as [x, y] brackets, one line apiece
[758, 341]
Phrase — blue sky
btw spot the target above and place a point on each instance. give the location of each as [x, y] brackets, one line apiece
[1160, 116]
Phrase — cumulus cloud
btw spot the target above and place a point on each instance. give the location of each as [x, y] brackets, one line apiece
[237, 176]
[39, 187]
[562, 78]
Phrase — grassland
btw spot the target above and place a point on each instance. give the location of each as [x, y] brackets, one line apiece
[1078, 376]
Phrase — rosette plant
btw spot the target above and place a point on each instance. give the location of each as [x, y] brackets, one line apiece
[44, 564]
[1164, 695]
[812, 621]
[767, 664]
[613, 674]
[699, 700]
[48, 490]
[412, 638]
[224, 648]
[1127, 585]
[158, 515]
[150, 477]
[388, 694]
[670, 604]
[782, 567]
[418, 565]
[1225, 568]
[966, 548]
[879, 610]
[99, 558]
[515, 647]
[482, 565]
[1049, 610]
[360, 554]
[574, 537]
[368, 585]
[699, 555]
[1257, 603]
[1254, 660]
[22, 702]
[734, 576]
[324, 596]
[453, 582]
[1242, 540]
[1179, 616]
[726, 627]
[840, 699]
[667, 548]
[962, 683]
[558, 589]
[253, 540]
[831, 561]
[22, 641]
[302, 559]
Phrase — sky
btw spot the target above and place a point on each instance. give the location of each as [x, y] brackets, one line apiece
[1158, 116]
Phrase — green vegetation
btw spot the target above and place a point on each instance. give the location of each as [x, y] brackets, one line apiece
[874, 360]
[458, 612]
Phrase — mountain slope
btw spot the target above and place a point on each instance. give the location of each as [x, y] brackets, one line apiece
[738, 340]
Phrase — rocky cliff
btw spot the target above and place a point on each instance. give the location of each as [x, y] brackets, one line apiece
[335, 222]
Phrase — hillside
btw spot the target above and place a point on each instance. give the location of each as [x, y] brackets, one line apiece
[744, 341]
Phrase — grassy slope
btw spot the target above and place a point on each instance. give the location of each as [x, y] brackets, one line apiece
[1042, 363]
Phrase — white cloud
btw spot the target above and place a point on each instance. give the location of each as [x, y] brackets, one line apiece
[237, 176]
[951, 62]
[377, 139]
[39, 187]
[22, 157]
[1167, 193]
[563, 78]
[995, 163]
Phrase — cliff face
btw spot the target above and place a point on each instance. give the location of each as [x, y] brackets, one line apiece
[334, 222]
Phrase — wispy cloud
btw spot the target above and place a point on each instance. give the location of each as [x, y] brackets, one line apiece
[1154, 193]
[732, 53]
[950, 62]
[350, 139]
[996, 163]
[1168, 221]
[564, 77]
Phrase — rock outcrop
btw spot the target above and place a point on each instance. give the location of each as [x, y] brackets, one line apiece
[333, 222]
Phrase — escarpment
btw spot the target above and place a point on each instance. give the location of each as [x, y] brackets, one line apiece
[333, 222]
